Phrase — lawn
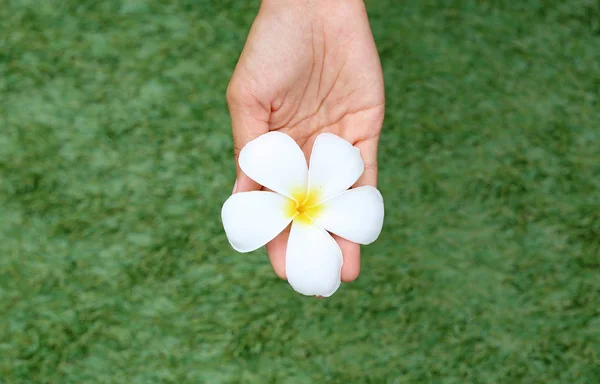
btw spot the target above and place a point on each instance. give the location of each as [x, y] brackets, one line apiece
[115, 158]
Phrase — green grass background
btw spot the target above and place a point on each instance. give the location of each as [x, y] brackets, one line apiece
[115, 159]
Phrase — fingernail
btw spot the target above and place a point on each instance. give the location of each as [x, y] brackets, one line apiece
[234, 187]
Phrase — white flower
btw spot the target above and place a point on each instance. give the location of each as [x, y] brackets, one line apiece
[316, 200]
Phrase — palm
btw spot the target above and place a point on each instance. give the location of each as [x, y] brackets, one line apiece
[308, 75]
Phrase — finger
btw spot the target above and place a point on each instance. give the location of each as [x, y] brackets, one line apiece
[249, 119]
[351, 254]
[276, 250]
[368, 151]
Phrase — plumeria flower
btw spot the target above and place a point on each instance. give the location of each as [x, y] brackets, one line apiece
[315, 199]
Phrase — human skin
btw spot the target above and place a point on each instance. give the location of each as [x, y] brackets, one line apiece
[308, 67]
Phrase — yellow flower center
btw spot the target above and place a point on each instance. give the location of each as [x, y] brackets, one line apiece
[304, 206]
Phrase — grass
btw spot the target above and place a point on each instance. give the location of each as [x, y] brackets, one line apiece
[115, 159]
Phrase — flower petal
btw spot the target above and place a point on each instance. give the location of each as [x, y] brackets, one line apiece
[355, 215]
[275, 161]
[313, 260]
[252, 219]
[335, 165]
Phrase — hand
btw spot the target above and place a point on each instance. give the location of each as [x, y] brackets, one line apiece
[309, 67]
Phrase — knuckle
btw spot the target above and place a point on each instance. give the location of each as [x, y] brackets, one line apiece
[232, 94]
[237, 93]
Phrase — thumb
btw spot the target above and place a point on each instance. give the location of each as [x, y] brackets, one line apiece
[249, 119]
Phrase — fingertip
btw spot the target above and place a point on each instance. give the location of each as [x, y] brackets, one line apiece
[350, 273]
[280, 272]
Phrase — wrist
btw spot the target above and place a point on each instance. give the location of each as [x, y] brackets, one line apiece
[307, 3]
